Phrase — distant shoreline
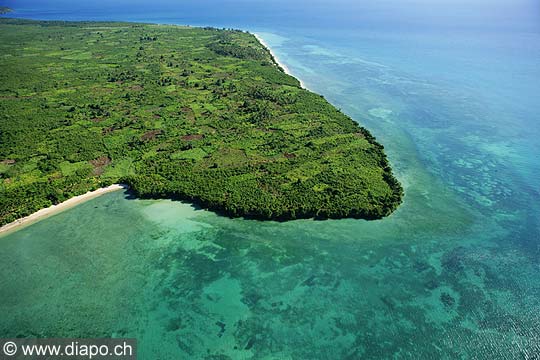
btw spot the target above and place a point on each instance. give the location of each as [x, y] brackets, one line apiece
[55, 209]
[283, 66]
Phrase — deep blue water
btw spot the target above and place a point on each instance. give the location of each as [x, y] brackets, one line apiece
[452, 89]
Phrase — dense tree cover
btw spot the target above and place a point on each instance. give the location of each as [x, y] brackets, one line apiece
[4, 10]
[197, 114]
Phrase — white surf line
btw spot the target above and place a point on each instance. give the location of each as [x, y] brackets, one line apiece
[281, 64]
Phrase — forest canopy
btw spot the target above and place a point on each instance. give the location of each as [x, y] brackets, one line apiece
[197, 114]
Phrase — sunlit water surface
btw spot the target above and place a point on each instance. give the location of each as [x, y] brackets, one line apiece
[453, 273]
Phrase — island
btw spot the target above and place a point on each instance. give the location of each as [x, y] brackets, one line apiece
[202, 115]
[4, 10]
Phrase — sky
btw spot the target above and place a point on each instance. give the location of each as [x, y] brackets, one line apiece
[521, 15]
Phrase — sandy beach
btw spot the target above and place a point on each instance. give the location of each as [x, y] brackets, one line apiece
[55, 209]
[283, 66]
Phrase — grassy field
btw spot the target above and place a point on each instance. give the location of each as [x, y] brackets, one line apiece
[197, 114]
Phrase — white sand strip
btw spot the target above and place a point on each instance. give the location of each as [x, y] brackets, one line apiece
[283, 66]
[54, 209]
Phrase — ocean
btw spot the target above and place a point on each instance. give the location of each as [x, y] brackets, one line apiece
[450, 88]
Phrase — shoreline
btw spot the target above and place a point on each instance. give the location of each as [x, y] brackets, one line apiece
[283, 66]
[55, 209]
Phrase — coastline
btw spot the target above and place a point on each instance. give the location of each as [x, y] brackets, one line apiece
[273, 208]
[283, 66]
[55, 209]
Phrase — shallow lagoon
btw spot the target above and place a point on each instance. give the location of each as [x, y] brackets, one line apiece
[454, 272]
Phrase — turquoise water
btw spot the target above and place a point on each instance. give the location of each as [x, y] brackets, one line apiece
[453, 273]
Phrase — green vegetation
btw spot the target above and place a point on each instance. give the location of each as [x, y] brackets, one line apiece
[203, 115]
[4, 10]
